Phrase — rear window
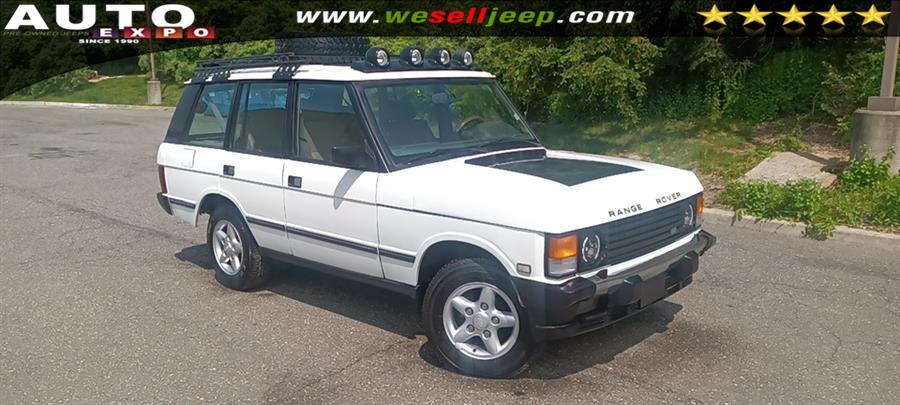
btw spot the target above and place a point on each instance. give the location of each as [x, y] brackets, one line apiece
[209, 121]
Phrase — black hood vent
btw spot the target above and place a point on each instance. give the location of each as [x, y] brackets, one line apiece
[535, 162]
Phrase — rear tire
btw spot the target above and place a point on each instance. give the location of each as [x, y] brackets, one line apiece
[474, 321]
[239, 265]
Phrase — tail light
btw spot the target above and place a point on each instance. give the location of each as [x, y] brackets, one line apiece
[162, 179]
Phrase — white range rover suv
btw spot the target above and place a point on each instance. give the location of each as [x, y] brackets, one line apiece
[419, 175]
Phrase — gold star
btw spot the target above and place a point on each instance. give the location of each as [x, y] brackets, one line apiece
[794, 15]
[714, 15]
[873, 15]
[833, 15]
[754, 15]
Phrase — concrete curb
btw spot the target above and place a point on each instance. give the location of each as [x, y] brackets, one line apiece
[843, 233]
[87, 106]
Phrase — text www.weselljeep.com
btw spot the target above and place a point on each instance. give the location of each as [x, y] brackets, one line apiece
[481, 16]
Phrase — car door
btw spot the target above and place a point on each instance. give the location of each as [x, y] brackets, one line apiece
[194, 151]
[329, 200]
[253, 168]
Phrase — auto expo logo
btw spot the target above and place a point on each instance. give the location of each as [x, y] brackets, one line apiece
[169, 21]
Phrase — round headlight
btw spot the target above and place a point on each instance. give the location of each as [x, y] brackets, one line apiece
[378, 57]
[412, 56]
[689, 215]
[464, 57]
[441, 56]
[592, 249]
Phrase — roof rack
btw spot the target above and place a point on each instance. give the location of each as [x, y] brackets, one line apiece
[286, 65]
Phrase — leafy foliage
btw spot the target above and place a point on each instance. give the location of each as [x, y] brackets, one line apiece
[788, 84]
[178, 65]
[66, 82]
[846, 86]
[560, 78]
[866, 173]
[868, 195]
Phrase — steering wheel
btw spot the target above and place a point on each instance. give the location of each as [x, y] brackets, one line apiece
[469, 121]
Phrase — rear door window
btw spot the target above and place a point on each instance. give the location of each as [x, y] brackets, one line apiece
[209, 123]
[262, 120]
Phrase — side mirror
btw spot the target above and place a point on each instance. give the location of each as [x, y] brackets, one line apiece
[353, 156]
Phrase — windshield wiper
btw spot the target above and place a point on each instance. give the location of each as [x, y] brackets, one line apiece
[486, 147]
[432, 154]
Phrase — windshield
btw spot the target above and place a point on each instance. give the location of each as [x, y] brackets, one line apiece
[423, 120]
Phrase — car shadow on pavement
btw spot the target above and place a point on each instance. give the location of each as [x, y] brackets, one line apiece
[560, 358]
[383, 309]
[397, 314]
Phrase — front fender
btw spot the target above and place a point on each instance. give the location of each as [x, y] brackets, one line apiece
[473, 240]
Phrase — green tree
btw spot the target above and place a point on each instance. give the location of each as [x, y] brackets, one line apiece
[177, 65]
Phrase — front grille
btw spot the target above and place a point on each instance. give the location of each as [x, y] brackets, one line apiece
[638, 235]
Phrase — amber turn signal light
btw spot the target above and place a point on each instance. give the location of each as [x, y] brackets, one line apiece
[562, 247]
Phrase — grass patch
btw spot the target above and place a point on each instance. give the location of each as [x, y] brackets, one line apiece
[721, 149]
[868, 196]
[130, 90]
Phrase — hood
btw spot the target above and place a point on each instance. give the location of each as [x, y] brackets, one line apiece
[538, 190]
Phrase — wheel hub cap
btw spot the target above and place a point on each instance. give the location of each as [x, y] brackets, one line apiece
[227, 248]
[481, 321]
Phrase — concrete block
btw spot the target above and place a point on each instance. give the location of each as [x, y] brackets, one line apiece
[876, 132]
[883, 103]
[154, 92]
[784, 167]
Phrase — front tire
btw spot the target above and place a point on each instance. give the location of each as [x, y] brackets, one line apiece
[239, 266]
[473, 320]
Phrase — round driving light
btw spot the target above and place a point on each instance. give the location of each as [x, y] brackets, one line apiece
[441, 56]
[412, 56]
[591, 249]
[689, 215]
[378, 57]
[464, 57]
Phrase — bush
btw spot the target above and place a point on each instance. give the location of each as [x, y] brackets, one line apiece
[868, 195]
[788, 84]
[694, 78]
[846, 86]
[866, 173]
[178, 65]
[887, 207]
[560, 78]
[64, 83]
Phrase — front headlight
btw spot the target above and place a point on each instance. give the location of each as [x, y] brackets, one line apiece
[592, 250]
[689, 216]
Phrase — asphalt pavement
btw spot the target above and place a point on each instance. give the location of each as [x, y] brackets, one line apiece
[104, 298]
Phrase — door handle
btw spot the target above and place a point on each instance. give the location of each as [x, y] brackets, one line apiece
[228, 170]
[294, 181]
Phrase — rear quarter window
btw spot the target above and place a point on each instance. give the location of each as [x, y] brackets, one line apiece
[209, 118]
[183, 113]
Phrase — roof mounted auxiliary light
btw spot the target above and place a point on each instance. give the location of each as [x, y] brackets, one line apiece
[441, 56]
[464, 57]
[378, 57]
[412, 56]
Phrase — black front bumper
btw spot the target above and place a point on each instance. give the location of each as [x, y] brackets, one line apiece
[584, 304]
